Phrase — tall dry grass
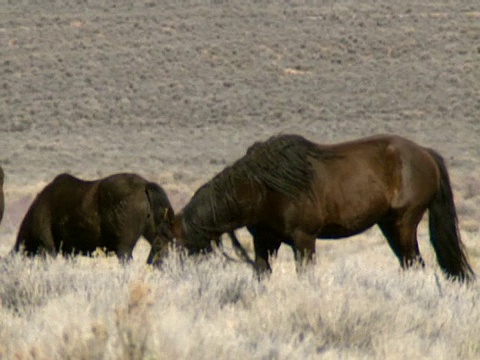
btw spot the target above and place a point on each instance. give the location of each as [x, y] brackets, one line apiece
[355, 303]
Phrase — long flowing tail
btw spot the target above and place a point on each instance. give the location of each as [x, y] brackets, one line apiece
[444, 233]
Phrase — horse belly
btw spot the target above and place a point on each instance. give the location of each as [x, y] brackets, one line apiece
[78, 234]
[348, 220]
[337, 231]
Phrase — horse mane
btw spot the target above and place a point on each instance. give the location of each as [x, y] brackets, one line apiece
[281, 164]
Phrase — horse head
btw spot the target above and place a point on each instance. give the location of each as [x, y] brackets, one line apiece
[191, 237]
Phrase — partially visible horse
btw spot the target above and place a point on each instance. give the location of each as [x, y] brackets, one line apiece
[291, 190]
[2, 196]
[72, 216]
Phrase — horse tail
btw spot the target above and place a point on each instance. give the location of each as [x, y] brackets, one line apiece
[443, 224]
[159, 203]
[239, 249]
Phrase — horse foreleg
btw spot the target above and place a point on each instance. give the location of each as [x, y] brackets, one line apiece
[265, 244]
[304, 249]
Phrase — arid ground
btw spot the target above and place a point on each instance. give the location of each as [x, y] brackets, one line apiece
[177, 90]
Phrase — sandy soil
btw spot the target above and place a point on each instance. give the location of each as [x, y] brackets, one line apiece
[177, 91]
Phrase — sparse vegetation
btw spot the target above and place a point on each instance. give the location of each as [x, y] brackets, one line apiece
[354, 303]
[176, 90]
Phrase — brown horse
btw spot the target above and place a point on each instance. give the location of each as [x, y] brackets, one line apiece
[288, 189]
[2, 196]
[74, 216]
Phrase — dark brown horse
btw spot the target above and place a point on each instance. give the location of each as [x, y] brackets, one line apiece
[288, 189]
[2, 196]
[73, 216]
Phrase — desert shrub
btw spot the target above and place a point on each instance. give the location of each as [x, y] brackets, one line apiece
[355, 302]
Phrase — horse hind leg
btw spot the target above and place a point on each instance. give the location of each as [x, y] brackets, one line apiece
[121, 242]
[402, 238]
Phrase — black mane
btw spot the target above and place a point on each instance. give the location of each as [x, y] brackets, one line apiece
[281, 163]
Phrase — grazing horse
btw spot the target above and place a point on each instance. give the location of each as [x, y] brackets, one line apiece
[73, 216]
[2, 196]
[291, 190]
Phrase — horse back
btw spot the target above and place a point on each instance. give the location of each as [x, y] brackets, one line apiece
[120, 186]
[387, 164]
[123, 201]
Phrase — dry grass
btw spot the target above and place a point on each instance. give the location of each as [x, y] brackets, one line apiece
[355, 303]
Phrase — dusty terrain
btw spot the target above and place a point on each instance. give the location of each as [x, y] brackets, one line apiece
[177, 90]
[183, 90]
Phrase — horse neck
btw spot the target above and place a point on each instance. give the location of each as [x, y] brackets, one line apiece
[225, 211]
